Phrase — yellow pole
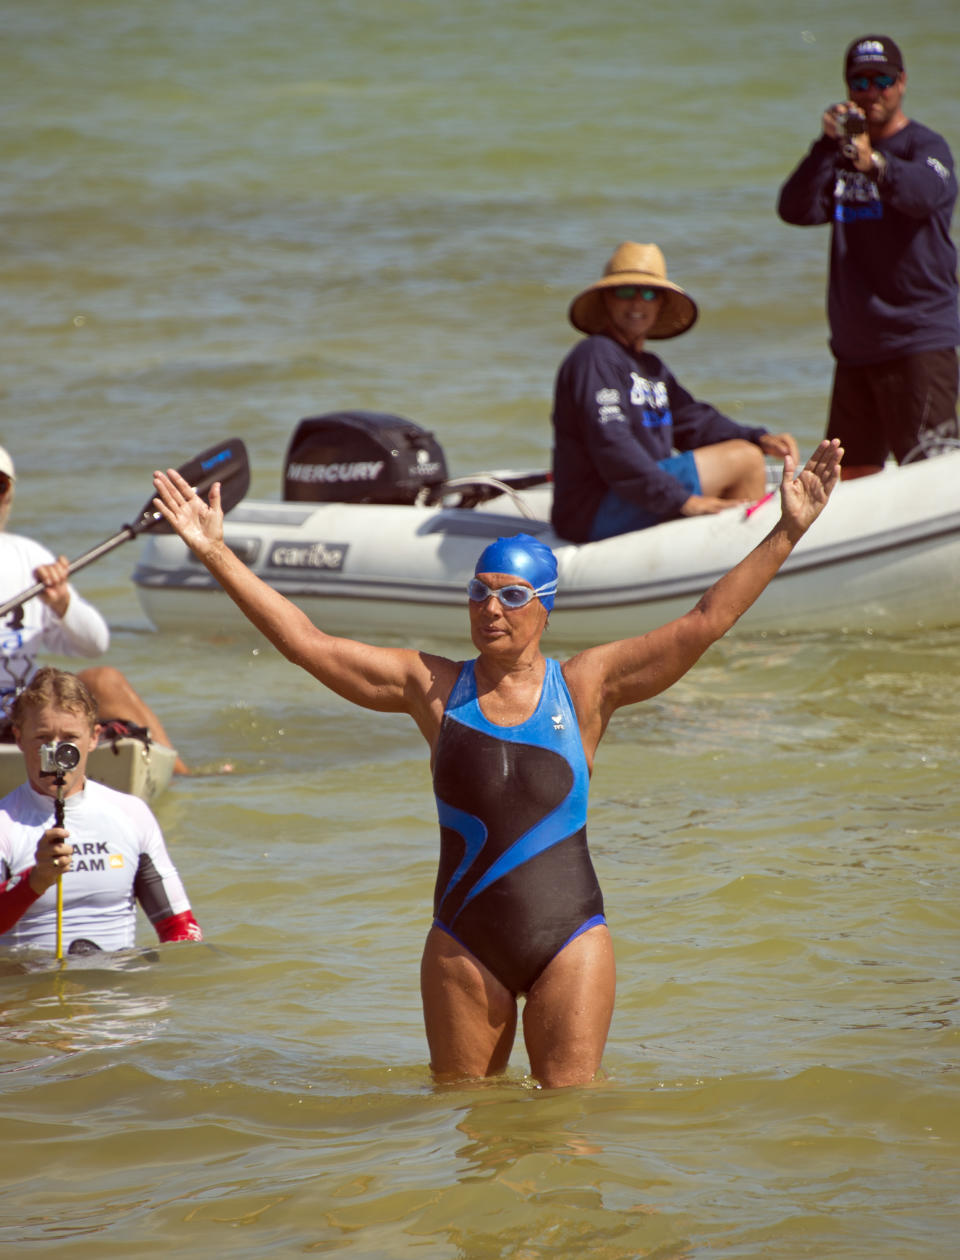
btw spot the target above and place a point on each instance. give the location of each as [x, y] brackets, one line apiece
[60, 915]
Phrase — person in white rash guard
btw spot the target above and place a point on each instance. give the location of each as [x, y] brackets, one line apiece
[109, 853]
[58, 621]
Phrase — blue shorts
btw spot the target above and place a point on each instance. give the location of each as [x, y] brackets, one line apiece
[616, 515]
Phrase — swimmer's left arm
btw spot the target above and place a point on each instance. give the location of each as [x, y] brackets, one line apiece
[632, 670]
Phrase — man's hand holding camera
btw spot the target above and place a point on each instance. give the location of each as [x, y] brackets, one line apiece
[847, 124]
[53, 856]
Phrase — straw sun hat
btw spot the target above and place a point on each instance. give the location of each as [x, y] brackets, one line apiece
[642, 265]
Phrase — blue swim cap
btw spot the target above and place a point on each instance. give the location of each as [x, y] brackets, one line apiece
[528, 558]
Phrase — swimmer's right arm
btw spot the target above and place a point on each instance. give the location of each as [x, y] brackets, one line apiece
[390, 680]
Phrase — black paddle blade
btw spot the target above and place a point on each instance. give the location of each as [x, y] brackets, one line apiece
[226, 462]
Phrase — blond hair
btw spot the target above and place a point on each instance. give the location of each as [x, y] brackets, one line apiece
[57, 689]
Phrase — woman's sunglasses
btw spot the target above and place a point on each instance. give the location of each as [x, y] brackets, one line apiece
[509, 596]
[863, 82]
[629, 291]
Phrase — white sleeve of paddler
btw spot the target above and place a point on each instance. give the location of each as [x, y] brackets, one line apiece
[81, 631]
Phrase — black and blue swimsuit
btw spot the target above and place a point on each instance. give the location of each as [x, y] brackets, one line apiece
[515, 882]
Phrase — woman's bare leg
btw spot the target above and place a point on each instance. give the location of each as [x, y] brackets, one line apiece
[731, 470]
[568, 1011]
[470, 1017]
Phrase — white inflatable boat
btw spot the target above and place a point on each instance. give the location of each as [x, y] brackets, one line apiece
[884, 556]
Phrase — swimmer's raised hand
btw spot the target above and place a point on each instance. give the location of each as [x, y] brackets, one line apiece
[199, 525]
[804, 496]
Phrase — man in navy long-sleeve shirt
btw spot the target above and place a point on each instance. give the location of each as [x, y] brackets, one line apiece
[887, 186]
[619, 413]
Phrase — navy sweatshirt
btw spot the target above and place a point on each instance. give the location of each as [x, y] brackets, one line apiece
[615, 415]
[893, 267]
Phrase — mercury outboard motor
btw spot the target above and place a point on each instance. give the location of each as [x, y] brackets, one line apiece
[362, 457]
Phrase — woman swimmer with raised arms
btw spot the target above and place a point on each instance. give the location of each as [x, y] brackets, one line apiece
[512, 736]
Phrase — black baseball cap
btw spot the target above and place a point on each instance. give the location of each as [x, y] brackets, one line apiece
[873, 52]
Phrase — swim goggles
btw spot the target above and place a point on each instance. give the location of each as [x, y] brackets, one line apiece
[509, 596]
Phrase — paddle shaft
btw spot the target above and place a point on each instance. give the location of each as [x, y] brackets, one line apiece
[87, 558]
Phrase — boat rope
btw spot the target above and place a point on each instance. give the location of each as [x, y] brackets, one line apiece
[481, 479]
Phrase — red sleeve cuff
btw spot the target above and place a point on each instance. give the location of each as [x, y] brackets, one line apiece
[16, 897]
[179, 927]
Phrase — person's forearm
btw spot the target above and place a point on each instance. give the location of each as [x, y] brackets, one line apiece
[179, 927]
[802, 198]
[917, 188]
[16, 897]
[81, 630]
[271, 613]
[730, 597]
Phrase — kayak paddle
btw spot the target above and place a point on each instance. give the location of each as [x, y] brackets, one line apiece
[225, 462]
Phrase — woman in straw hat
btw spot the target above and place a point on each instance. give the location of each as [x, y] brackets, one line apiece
[619, 414]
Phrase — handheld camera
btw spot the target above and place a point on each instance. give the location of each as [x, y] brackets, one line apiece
[849, 125]
[58, 758]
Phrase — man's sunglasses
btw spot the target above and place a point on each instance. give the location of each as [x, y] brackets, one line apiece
[509, 596]
[5, 483]
[630, 291]
[863, 82]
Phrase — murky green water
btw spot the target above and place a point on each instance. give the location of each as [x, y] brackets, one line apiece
[218, 219]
